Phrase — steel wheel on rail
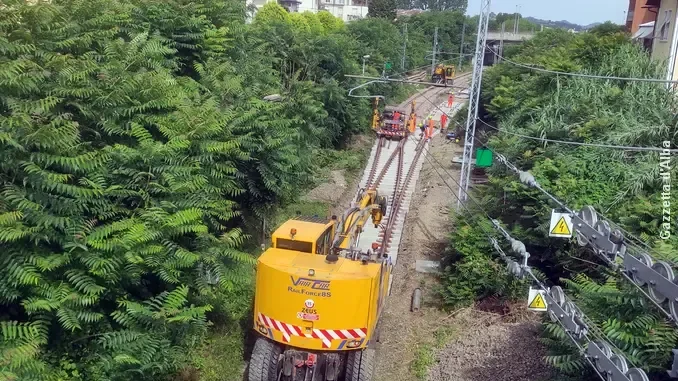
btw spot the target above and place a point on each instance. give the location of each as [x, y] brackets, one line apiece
[673, 305]
[664, 269]
[360, 365]
[263, 365]
[647, 261]
[620, 363]
[607, 351]
[635, 374]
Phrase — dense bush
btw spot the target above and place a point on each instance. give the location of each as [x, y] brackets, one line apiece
[622, 185]
[135, 146]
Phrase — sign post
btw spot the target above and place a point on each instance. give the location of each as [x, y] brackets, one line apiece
[561, 225]
[536, 300]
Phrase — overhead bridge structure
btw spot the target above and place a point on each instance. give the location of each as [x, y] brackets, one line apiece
[497, 40]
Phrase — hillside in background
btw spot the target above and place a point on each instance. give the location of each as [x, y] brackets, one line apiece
[564, 24]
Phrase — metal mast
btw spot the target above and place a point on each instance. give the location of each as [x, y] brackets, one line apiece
[435, 47]
[461, 45]
[473, 100]
[402, 62]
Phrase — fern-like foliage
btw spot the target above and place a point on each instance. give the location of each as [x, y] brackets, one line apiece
[119, 185]
[623, 185]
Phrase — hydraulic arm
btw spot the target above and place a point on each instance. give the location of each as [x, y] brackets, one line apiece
[368, 204]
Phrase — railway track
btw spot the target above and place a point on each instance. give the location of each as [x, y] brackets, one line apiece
[393, 169]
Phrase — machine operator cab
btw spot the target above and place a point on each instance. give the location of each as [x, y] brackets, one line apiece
[306, 234]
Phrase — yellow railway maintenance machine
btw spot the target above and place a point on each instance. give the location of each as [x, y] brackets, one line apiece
[443, 74]
[386, 125]
[318, 299]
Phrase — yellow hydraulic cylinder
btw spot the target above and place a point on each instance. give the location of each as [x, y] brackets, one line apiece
[375, 115]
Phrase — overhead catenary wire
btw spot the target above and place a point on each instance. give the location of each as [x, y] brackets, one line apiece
[428, 157]
[598, 145]
[563, 205]
[581, 75]
[529, 180]
[521, 174]
[598, 333]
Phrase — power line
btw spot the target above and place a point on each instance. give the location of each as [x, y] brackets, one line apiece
[627, 148]
[581, 75]
[609, 244]
[566, 312]
[515, 169]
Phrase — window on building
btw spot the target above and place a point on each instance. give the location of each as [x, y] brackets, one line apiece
[666, 26]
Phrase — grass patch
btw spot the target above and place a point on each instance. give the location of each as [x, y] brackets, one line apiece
[424, 357]
[305, 208]
[425, 352]
[405, 91]
[220, 357]
[351, 160]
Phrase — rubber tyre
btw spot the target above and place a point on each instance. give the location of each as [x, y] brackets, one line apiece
[360, 365]
[264, 362]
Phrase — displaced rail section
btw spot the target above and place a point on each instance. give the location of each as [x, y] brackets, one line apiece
[321, 287]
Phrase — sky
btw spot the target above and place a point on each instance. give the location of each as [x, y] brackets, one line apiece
[581, 12]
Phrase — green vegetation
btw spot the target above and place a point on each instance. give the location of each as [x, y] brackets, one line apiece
[524, 25]
[425, 353]
[623, 185]
[139, 160]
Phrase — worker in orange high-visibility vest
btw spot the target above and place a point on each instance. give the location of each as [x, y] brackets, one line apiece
[443, 122]
[450, 100]
[431, 125]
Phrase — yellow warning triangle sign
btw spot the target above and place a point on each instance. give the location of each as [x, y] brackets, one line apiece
[537, 302]
[561, 227]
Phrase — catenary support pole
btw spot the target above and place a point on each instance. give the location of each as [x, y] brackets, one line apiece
[402, 62]
[474, 98]
[461, 45]
[435, 48]
[501, 41]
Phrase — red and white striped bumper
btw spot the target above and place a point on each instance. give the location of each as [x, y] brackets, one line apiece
[326, 335]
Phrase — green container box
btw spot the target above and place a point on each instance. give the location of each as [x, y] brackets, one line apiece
[483, 158]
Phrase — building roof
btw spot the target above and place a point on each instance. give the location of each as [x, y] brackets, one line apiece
[408, 12]
[644, 31]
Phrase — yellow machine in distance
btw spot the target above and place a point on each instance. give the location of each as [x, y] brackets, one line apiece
[443, 74]
[318, 298]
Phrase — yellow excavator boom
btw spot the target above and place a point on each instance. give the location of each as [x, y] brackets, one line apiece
[369, 204]
[375, 115]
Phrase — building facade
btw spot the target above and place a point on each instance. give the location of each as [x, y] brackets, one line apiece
[639, 12]
[347, 10]
[665, 36]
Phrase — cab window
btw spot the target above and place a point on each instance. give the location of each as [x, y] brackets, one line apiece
[289, 244]
[322, 246]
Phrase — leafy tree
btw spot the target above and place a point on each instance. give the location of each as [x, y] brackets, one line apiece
[607, 28]
[382, 9]
[623, 186]
[442, 5]
[137, 150]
